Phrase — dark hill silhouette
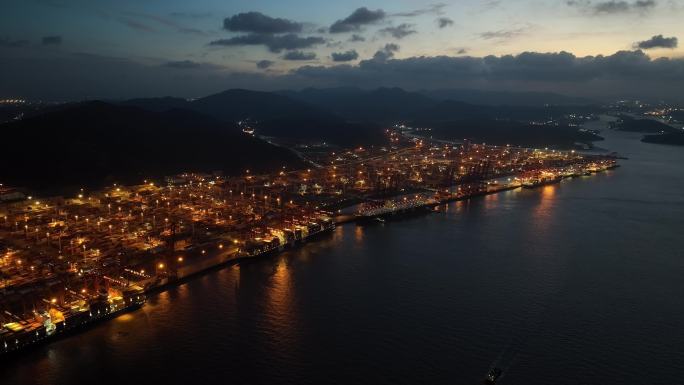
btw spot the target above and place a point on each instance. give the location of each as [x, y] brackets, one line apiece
[507, 98]
[232, 105]
[382, 104]
[457, 110]
[502, 132]
[325, 115]
[159, 104]
[95, 142]
[628, 123]
[672, 138]
[393, 104]
[274, 114]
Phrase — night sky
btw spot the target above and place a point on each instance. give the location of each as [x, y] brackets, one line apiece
[75, 49]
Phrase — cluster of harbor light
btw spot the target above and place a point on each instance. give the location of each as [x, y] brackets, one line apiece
[68, 249]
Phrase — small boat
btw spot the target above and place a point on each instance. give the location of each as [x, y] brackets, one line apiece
[378, 219]
[493, 375]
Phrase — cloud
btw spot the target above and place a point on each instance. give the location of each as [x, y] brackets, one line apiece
[137, 21]
[658, 41]
[504, 34]
[182, 64]
[9, 43]
[51, 40]
[444, 22]
[299, 55]
[191, 15]
[360, 17]
[400, 31]
[612, 6]
[491, 4]
[386, 52]
[134, 24]
[357, 38]
[53, 3]
[275, 43]
[436, 9]
[334, 44]
[264, 64]
[191, 65]
[257, 22]
[345, 56]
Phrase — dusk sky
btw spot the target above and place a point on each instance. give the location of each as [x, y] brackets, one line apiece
[73, 49]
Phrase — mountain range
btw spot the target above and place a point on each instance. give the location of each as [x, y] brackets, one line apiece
[352, 116]
[392, 104]
[78, 143]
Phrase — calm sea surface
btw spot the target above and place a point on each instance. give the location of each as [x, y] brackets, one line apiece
[579, 283]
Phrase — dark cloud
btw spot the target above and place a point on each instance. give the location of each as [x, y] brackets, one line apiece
[386, 52]
[264, 64]
[257, 22]
[644, 4]
[357, 38]
[358, 18]
[345, 56]
[444, 22]
[625, 73]
[299, 55]
[400, 31]
[658, 41]
[69, 76]
[628, 74]
[51, 40]
[612, 6]
[275, 43]
[436, 9]
[462, 51]
[9, 43]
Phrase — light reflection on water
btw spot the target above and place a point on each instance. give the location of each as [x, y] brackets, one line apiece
[543, 213]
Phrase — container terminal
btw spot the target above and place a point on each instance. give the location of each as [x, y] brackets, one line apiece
[66, 262]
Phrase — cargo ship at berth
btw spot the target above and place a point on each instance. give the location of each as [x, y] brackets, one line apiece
[395, 208]
[60, 320]
[538, 182]
[286, 238]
